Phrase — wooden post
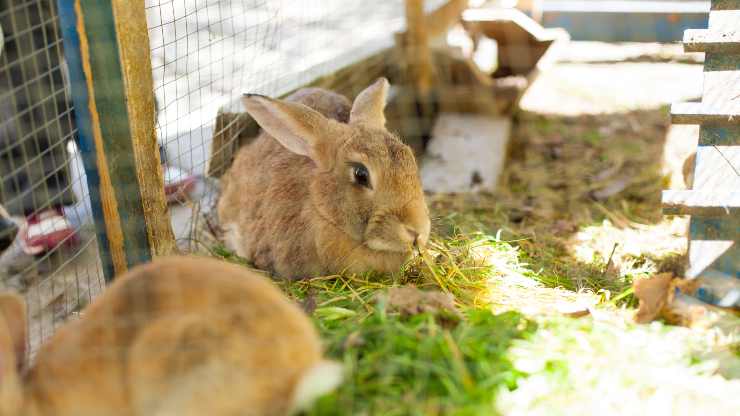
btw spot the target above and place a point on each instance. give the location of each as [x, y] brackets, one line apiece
[416, 47]
[107, 51]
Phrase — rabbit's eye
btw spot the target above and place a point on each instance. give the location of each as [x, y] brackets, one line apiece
[361, 175]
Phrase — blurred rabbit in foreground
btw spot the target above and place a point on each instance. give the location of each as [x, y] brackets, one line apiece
[180, 336]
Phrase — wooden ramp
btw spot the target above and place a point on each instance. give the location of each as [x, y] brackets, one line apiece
[714, 200]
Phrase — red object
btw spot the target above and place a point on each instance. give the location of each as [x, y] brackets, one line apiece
[47, 230]
[177, 184]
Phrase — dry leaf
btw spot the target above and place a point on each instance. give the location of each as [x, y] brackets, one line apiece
[572, 309]
[653, 295]
[669, 298]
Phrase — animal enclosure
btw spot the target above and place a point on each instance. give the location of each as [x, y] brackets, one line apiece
[84, 135]
[547, 166]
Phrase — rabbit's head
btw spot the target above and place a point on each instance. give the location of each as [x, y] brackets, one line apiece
[364, 180]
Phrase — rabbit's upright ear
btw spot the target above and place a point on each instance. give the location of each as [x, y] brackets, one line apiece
[297, 127]
[369, 105]
[13, 328]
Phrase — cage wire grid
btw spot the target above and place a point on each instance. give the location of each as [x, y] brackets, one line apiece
[206, 54]
[42, 182]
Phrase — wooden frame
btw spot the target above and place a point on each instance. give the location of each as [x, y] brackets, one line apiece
[112, 89]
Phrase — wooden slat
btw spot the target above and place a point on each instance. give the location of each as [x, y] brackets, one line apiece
[720, 136]
[724, 21]
[725, 5]
[704, 40]
[112, 92]
[416, 47]
[701, 203]
[717, 168]
[698, 113]
[133, 42]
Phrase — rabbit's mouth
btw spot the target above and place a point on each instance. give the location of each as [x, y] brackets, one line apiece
[379, 244]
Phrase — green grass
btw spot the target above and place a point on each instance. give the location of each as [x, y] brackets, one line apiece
[424, 364]
[509, 258]
[421, 366]
[487, 363]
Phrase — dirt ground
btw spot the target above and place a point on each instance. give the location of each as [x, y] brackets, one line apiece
[591, 150]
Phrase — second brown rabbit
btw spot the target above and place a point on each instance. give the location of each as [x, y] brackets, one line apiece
[180, 336]
[319, 192]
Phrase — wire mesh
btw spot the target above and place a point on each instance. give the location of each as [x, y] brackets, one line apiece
[206, 54]
[51, 256]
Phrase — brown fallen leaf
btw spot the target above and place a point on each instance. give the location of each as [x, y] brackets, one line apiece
[572, 309]
[667, 297]
[653, 295]
[680, 308]
[408, 300]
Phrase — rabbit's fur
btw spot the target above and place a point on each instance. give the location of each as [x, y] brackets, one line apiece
[179, 336]
[291, 202]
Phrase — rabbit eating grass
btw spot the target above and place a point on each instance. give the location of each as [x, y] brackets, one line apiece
[320, 192]
[180, 336]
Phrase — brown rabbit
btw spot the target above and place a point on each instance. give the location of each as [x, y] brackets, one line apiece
[314, 195]
[180, 336]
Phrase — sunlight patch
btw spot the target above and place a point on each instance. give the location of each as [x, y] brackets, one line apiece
[607, 366]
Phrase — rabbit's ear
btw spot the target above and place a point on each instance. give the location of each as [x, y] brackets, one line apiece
[369, 105]
[297, 127]
[13, 331]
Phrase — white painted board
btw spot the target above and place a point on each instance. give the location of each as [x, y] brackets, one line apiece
[466, 153]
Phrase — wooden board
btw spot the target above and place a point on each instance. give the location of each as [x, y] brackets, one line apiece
[701, 203]
[522, 42]
[466, 153]
[114, 110]
[699, 113]
[703, 40]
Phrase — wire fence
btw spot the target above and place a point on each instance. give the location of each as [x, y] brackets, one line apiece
[206, 54]
[52, 258]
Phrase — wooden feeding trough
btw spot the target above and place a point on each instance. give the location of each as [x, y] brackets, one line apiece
[434, 84]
